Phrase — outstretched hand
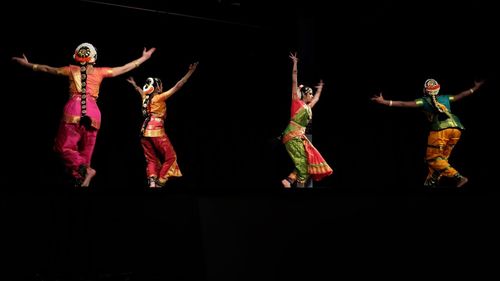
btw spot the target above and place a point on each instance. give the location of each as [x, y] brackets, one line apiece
[22, 61]
[294, 57]
[378, 98]
[479, 83]
[147, 53]
[193, 66]
[319, 85]
[131, 81]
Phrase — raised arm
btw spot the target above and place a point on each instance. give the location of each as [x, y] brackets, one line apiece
[295, 59]
[146, 54]
[180, 83]
[319, 89]
[380, 100]
[132, 82]
[461, 95]
[23, 61]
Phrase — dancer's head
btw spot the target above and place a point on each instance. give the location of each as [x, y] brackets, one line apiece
[306, 93]
[85, 53]
[152, 85]
[431, 87]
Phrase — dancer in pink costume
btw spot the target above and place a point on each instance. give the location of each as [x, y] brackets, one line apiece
[81, 120]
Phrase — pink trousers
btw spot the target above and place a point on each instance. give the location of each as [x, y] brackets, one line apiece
[75, 145]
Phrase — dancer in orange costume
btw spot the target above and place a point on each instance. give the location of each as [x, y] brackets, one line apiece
[445, 129]
[161, 159]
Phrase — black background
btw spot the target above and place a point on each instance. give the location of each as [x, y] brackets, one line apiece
[224, 122]
[228, 217]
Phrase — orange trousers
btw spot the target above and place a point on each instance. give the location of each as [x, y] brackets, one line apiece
[439, 147]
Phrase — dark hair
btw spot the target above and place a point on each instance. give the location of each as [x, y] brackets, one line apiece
[304, 90]
[154, 82]
[157, 83]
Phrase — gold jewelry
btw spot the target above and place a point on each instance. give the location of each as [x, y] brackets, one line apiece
[390, 103]
[471, 90]
[35, 67]
[136, 64]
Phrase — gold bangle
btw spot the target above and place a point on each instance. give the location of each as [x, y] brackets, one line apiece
[35, 67]
[471, 90]
[136, 64]
[390, 103]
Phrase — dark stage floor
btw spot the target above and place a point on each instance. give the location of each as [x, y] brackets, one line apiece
[248, 234]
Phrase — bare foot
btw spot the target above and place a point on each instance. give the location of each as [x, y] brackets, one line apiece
[463, 180]
[152, 184]
[286, 184]
[90, 174]
[155, 185]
